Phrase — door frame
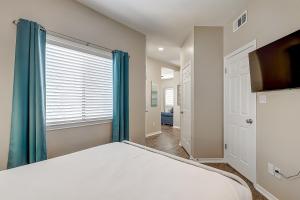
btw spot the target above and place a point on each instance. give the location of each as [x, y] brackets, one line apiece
[187, 64]
[252, 44]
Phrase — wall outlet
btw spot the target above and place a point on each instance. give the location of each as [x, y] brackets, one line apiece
[274, 171]
[271, 169]
[277, 173]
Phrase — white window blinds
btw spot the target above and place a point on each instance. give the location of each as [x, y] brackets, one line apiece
[169, 97]
[78, 85]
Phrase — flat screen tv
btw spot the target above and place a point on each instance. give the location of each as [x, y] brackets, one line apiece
[277, 65]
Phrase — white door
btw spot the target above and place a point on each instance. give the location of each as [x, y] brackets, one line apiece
[186, 135]
[148, 104]
[240, 113]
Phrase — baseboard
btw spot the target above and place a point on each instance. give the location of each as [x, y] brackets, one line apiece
[210, 160]
[177, 127]
[153, 133]
[264, 192]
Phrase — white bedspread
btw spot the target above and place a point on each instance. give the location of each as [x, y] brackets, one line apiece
[116, 171]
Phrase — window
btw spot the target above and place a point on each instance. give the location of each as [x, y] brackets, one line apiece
[169, 97]
[167, 73]
[78, 84]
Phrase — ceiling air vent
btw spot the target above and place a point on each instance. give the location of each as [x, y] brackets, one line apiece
[240, 21]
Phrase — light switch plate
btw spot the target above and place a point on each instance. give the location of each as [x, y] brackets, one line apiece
[262, 99]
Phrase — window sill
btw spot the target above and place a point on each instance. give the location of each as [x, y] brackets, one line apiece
[77, 125]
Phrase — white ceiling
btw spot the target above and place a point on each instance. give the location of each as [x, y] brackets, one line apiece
[167, 23]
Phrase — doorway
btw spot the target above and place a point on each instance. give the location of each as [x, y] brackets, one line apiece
[162, 104]
[240, 113]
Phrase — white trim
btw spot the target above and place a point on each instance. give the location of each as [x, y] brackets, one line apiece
[244, 48]
[177, 127]
[264, 192]
[210, 160]
[77, 124]
[67, 43]
[238, 51]
[153, 133]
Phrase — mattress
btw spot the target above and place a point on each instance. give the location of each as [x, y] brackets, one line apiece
[118, 171]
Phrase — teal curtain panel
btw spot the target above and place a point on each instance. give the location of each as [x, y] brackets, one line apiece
[120, 129]
[28, 120]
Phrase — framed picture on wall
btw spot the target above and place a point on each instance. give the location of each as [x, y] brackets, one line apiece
[154, 95]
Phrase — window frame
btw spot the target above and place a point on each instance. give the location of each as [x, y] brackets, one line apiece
[165, 95]
[85, 48]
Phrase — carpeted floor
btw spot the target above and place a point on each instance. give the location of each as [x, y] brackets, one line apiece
[168, 141]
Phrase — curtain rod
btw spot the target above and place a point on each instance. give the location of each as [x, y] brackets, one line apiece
[72, 39]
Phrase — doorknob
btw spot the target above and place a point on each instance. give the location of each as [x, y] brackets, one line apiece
[249, 121]
[181, 112]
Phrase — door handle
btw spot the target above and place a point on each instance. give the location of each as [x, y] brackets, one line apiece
[249, 121]
[181, 112]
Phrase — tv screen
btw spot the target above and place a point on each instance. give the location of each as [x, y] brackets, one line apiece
[277, 65]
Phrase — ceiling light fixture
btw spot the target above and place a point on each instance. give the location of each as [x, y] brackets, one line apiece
[160, 49]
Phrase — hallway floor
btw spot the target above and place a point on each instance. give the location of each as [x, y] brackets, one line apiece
[168, 141]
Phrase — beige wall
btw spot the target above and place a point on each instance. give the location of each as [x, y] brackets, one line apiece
[153, 74]
[60, 142]
[204, 49]
[278, 127]
[71, 18]
[208, 92]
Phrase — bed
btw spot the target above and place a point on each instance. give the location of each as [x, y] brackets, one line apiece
[120, 171]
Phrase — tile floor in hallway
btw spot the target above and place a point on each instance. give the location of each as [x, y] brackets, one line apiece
[168, 141]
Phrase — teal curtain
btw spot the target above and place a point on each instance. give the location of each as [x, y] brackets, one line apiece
[120, 127]
[28, 129]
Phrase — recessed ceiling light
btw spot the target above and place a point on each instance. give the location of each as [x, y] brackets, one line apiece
[161, 49]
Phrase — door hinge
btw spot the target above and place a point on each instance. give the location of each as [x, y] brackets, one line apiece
[225, 70]
[225, 146]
